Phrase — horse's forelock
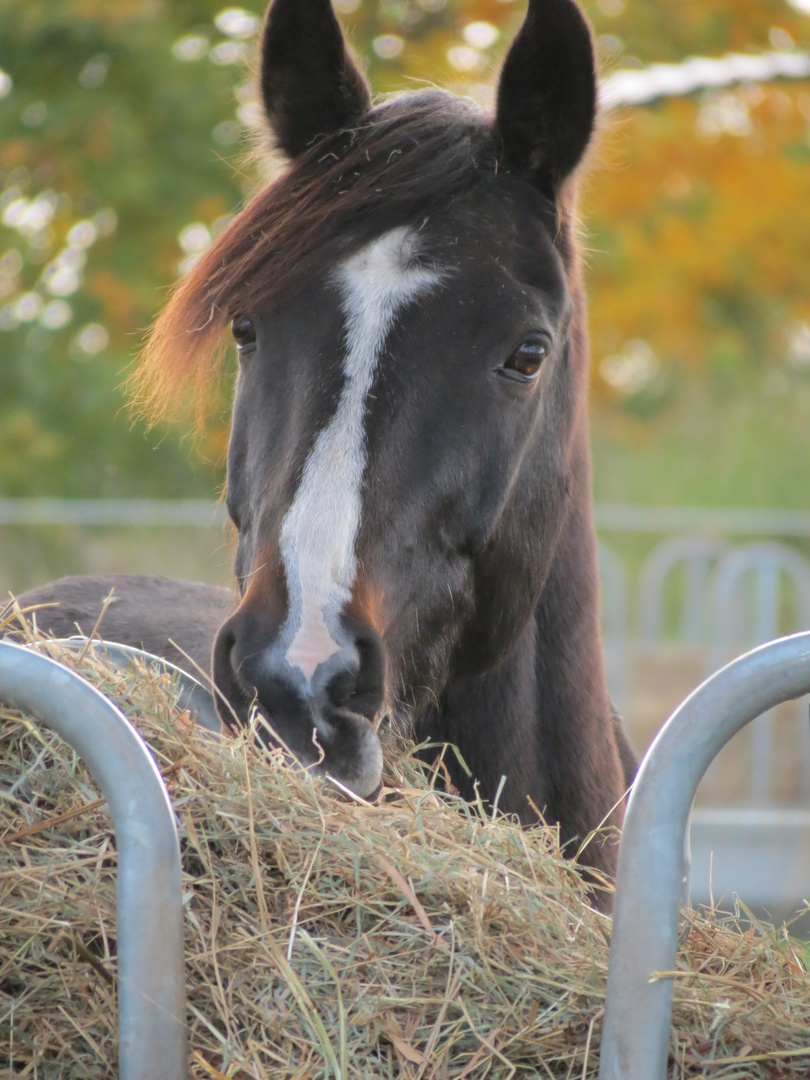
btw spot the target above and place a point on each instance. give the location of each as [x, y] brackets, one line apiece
[409, 155]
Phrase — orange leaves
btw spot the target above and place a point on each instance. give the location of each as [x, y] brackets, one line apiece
[701, 226]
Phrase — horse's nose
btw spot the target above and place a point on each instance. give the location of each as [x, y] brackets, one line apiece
[320, 708]
[354, 676]
[252, 661]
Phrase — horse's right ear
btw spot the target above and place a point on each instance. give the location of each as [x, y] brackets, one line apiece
[547, 94]
[309, 82]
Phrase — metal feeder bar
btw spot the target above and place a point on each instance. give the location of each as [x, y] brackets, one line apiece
[151, 975]
[651, 873]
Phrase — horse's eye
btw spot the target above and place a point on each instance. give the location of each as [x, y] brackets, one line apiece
[243, 332]
[524, 363]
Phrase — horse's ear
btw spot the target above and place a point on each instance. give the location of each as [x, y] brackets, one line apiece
[547, 94]
[309, 82]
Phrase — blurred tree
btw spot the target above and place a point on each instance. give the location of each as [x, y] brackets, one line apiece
[113, 141]
[123, 131]
[699, 226]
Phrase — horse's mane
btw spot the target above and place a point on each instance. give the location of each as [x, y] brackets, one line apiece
[407, 156]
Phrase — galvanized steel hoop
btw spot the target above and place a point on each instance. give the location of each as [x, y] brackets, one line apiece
[151, 974]
[651, 873]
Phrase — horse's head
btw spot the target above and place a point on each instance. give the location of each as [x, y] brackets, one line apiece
[411, 362]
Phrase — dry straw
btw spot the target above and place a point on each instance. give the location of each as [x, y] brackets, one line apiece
[324, 937]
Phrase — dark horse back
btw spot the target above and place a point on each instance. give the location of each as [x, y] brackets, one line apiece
[176, 620]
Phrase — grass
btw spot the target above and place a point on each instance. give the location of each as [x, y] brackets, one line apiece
[706, 446]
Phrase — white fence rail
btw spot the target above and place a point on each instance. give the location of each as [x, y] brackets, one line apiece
[708, 520]
[610, 517]
[112, 512]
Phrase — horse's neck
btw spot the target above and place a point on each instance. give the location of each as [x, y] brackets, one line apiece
[542, 718]
[574, 715]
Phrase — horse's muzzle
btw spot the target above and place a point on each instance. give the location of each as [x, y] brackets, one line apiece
[326, 722]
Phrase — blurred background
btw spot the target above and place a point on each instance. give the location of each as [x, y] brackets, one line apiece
[126, 136]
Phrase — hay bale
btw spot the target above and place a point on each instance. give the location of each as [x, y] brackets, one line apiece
[327, 937]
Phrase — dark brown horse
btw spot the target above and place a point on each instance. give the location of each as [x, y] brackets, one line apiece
[408, 470]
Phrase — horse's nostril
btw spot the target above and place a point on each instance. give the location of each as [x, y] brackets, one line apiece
[366, 683]
[232, 699]
[341, 687]
[372, 659]
[223, 650]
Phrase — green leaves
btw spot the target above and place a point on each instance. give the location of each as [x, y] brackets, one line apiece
[107, 154]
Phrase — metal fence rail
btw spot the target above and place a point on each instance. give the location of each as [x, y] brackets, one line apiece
[610, 517]
[650, 879]
[151, 975]
[624, 517]
[112, 512]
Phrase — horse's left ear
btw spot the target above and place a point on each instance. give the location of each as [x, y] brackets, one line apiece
[309, 82]
[547, 94]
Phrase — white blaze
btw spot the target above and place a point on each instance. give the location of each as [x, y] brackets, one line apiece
[319, 530]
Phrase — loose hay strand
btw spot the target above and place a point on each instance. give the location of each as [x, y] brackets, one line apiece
[414, 937]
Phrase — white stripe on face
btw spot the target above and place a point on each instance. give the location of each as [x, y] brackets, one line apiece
[320, 528]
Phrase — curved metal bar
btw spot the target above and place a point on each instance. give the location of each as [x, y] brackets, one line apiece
[638, 1007]
[151, 974]
[193, 695]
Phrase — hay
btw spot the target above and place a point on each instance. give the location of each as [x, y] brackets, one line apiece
[412, 938]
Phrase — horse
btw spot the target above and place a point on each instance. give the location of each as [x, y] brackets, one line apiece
[408, 469]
